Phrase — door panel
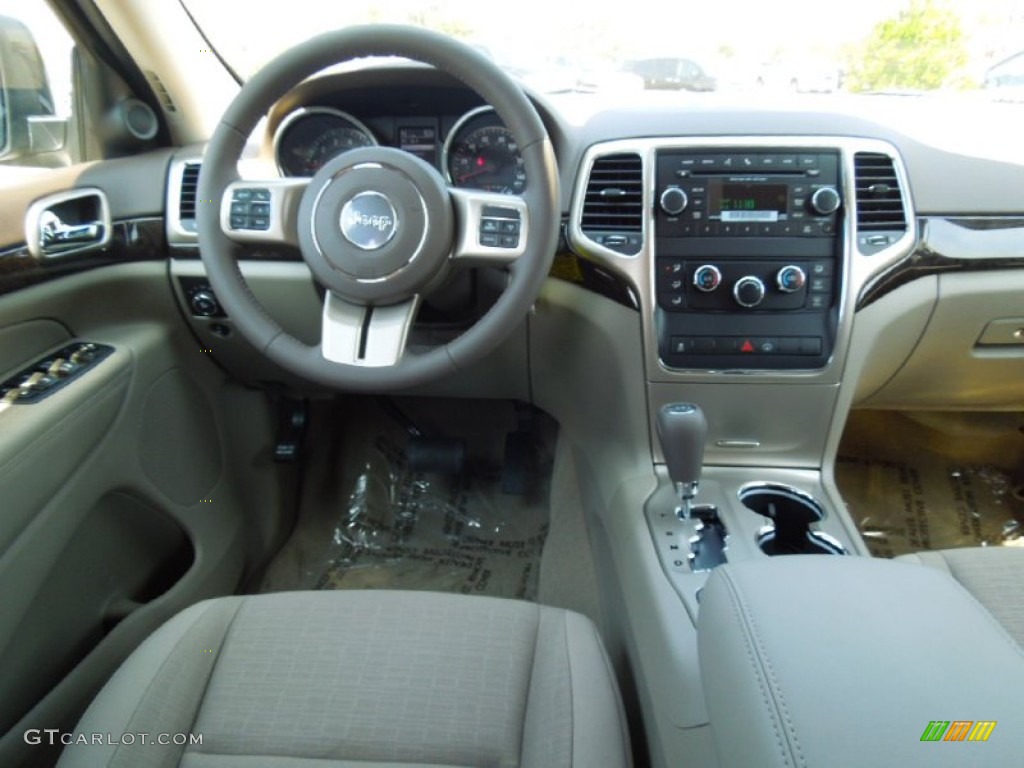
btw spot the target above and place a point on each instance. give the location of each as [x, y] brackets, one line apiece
[134, 490]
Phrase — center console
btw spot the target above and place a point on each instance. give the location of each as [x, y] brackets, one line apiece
[795, 652]
[747, 256]
[748, 247]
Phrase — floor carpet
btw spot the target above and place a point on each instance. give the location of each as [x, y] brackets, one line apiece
[933, 480]
[369, 520]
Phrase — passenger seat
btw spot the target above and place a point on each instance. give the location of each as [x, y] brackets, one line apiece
[994, 575]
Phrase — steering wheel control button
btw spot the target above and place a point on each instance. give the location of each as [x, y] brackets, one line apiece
[499, 227]
[791, 279]
[748, 291]
[250, 209]
[369, 221]
[707, 278]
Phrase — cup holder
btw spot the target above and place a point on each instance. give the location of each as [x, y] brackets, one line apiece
[791, 513]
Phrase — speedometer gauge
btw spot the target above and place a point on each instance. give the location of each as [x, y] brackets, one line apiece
[481, 153]
[308, 138]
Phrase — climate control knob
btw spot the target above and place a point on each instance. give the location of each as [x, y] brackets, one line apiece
[673, 201]
[707, 278]
[825, 201]
[791, 279]
[748, 291]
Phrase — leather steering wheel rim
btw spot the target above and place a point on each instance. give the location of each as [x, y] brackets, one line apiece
[541, 197]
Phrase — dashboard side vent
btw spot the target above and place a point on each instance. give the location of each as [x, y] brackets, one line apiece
[187, 201]
[613, 206]
[879, 199]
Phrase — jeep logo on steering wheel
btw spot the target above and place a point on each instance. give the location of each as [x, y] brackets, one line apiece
[369, 221]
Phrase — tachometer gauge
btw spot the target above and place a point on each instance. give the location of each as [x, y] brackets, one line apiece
[480, 153]
[308, 138]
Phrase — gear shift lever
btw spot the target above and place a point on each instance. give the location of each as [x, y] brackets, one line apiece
[682, 430]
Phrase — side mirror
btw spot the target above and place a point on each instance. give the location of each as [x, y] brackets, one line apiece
[29, 125]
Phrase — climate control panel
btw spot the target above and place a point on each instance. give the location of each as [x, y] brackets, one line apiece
[737, 284]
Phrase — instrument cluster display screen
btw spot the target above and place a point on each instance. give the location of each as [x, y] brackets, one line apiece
[420, 141]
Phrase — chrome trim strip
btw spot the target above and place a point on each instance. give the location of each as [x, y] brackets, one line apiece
[177, 234]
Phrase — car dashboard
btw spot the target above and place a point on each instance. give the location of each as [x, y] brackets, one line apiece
[778, 263]
[747, 236]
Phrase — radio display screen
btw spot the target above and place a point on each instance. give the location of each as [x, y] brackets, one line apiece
[744, 201]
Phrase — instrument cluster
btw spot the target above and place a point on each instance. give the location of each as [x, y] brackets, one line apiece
[477, 150]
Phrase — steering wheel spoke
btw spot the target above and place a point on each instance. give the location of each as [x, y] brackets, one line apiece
[491, 228]
[371, 337]
[262, 211]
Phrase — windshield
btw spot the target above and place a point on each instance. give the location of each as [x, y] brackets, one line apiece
[793, 46]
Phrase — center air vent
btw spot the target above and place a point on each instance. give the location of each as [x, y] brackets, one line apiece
[187, 201]
[879, 200]
[613, 206]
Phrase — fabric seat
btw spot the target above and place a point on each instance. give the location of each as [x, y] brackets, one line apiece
[994, 576]
[375, 678]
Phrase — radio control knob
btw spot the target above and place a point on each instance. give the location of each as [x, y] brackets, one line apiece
[707, 278]
[791, 279]
[748, 291]
[825, 201]
[673, 201]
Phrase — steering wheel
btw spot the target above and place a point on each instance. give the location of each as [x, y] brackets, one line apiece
[377, 227]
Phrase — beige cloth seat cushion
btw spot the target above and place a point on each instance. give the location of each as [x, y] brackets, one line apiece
[994, 575]
[331, 679]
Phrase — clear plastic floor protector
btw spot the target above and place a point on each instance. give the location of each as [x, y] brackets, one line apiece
[408, 530]
[910, 489]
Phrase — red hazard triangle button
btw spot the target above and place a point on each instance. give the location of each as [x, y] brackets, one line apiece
[746, 346]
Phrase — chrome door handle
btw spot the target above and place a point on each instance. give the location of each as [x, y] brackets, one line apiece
[54, 233]
[67, 223]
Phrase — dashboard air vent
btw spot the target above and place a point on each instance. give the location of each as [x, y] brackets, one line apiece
[613, 206]
[189, 188]
[879, 200]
